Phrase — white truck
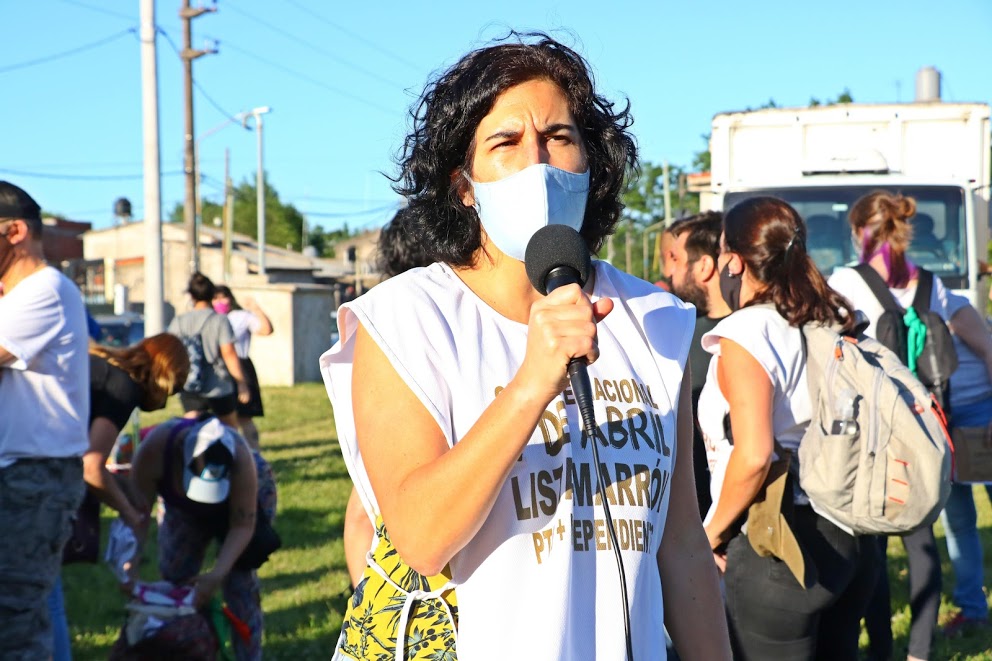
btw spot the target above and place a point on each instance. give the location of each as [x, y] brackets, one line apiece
[822, 159]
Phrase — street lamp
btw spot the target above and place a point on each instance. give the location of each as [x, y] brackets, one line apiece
[259, 181]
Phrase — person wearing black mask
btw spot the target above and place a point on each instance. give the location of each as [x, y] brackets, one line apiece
[757, 384]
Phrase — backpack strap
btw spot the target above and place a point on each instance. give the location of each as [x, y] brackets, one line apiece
[206, 320]
[878, 288]
[924, 291]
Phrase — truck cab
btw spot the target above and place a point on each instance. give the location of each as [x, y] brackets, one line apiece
[821, 160]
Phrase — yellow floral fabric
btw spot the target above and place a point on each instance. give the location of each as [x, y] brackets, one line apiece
[370, 625]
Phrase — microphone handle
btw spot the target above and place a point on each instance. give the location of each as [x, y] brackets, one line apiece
[578, 375]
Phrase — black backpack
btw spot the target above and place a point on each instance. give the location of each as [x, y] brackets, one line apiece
[939, 358]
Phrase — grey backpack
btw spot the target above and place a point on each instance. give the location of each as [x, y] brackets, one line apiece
[876, 455]
[196, 381]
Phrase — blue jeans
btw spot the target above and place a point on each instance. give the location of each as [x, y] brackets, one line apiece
[960, 524]
[62, 650]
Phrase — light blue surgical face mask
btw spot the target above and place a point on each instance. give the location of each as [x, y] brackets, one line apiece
[515, 207]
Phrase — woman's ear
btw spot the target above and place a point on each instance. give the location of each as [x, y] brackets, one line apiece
[735, 264]
[465, 193]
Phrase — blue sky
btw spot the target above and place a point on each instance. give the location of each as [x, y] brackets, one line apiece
[340, 77]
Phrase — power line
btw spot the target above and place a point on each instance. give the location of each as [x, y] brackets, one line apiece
[101, 10]
[67, 53]
[284, 69]
[312, 81]
[317, 49]
[82, 177]
[351, 214]
[338, 200]
[199, 88]
[354, 36]
[209, 99]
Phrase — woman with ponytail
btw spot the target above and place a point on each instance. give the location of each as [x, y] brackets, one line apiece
[757, 383]
[143, 376]
[881, 233]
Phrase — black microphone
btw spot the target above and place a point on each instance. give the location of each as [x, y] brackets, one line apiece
[557, 256]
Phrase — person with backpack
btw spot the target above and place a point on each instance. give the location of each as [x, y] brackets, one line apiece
[213, 359]
[884, 287]
[804, 601]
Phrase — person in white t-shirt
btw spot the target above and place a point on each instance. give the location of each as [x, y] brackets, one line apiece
[245, 322]
[44, 392]
[757, 383]
[452, 403]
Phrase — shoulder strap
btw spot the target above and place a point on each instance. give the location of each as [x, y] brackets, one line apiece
[205, 321]
[924, 290]
[878, 288]
[177, 427]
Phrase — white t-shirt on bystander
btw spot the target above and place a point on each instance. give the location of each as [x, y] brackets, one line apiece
[243, 323]
[848, 283]
[45, 392]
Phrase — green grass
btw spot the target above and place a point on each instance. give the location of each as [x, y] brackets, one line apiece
[977, 645]
[304, 584]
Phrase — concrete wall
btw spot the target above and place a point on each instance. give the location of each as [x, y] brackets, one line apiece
[300, 316]
[312, 321]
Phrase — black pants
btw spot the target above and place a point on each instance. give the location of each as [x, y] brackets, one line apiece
[771, 616]
[924, 598]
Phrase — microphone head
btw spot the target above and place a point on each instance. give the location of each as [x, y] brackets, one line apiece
[553, 246]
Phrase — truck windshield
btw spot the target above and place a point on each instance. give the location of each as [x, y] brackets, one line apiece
[939, 234]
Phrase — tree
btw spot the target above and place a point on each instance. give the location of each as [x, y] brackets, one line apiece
[843, 97]
[283, 221]
[324, 241]
[701, 161]
[644, 207]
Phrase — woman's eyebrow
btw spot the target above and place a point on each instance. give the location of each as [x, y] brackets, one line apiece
[561, 126]
[503, 135]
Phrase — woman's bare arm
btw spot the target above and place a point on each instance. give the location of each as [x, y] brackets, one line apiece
[748, 390]
[693, 606]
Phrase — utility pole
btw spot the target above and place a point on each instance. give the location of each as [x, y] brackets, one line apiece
[257, 113]
[628, 247]
[154, 289]
[260, 194]
[648, 265]
[187, 14]
[228, 214]
[667, 187]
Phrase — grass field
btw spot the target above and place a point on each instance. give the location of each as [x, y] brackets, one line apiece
[304, 585]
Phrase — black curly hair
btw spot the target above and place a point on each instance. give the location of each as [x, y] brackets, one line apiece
[442, 141]
[398, 248]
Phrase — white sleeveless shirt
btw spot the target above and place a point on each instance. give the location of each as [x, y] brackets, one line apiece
[539, 580]
[777, 347]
